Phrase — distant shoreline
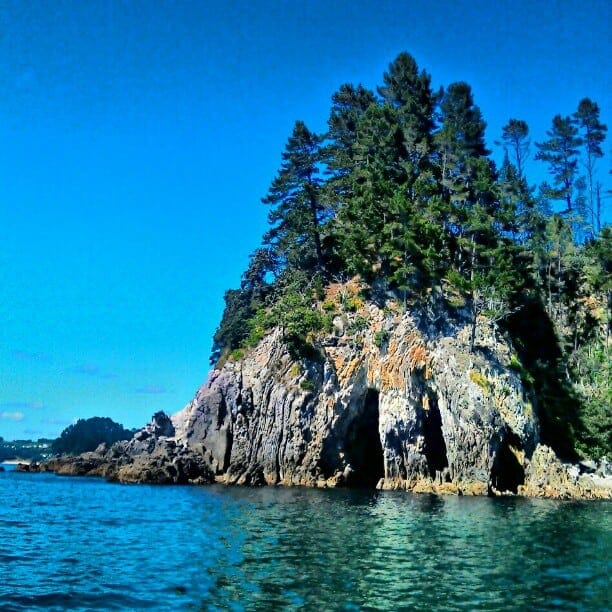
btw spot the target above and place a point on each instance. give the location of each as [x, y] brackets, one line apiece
[16, 461]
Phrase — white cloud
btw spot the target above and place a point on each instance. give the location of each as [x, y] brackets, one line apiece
[11, 416]
[19, 406]
[152, 389]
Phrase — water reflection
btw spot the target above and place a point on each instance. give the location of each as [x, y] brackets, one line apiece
[354, 549]
[92, 545]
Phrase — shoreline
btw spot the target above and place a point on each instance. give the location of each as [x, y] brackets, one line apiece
[582, 487]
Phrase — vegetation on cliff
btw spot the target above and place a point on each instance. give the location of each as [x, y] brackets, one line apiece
[401, 193]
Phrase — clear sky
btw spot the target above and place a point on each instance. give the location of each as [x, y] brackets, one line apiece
[137, 138]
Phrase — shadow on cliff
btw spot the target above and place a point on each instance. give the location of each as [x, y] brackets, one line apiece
[534, 338]
[358, 438]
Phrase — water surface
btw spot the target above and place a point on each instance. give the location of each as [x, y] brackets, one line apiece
[84, 544]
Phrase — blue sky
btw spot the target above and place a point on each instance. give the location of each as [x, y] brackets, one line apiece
[137, 139]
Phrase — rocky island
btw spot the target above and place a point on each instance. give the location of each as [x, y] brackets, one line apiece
[415, 318]
[419, 411]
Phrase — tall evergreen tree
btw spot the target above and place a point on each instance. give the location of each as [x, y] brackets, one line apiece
[408, 90]
[242, 304]
[460, 139]
[461, 151]
[377, 174]
[517, 202]
[593, 135]
[349, 104]
[560, 152]
[297, 208]
[515, 135]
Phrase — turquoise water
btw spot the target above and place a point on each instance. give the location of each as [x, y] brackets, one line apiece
[84, 544]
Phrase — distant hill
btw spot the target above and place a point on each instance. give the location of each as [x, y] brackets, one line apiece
[87, 434]
[34, 450]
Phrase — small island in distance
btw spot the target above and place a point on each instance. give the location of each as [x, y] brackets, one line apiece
[415, 317]
[83, 436]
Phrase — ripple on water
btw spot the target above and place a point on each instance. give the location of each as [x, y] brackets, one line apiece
[85, 544]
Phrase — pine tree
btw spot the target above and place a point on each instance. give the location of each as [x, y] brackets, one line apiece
[560, 152]
[241, 305]
[377, 174]
[460, 140]
[349, 104]
[515, 135]
[408, 90]
[298, 210]
[593, 135]
[461, 151]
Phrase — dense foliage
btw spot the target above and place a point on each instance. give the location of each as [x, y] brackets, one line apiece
[86, 434]
[401, 193]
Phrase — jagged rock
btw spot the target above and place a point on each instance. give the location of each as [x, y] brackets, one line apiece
[605, 468]
[587, 466]
[150, 456]
[547, 476]
[421, 412]
[390, 399]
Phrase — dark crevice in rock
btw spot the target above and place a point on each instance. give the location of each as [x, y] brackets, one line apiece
[228, 450]
[435, 447]
[222, 412]
[507, 473]
[363, 449]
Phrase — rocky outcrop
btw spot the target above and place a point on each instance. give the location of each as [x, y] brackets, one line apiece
[392, 399]
[395, 400]
[547, 476]
[151, 456]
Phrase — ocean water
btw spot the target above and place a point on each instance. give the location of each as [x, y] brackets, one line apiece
[84, 544]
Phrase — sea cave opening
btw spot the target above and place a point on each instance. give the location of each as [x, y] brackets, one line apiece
[507, 473]
[363, 448]
[435, 447]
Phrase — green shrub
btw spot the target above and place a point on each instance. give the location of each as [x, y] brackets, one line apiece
[516, 365]
[358, 324]
[352, 303]
[480, 379]
[258, 325]
[381, 338]
[307, 385]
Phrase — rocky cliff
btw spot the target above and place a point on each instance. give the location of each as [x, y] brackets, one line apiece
[393, 398]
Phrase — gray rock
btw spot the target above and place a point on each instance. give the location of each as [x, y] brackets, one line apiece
[429, 406]
[604, 469]
[422, 412]
[587, 466]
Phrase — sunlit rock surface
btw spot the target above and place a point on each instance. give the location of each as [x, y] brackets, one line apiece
[392, 399]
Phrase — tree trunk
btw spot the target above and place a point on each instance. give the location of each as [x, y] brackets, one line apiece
[474, 296]
[316, 233]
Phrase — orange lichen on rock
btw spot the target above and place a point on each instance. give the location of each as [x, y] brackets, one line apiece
[417, 356]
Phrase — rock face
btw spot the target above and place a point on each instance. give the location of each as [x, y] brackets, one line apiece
[391, 399]
[151, 456]
[548, 477]
[394, 401]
